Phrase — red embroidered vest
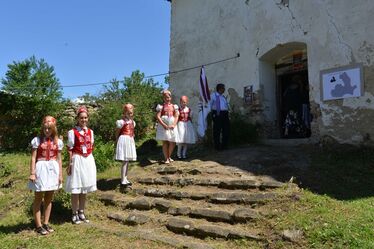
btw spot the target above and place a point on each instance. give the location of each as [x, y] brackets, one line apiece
[167, 110]
[47, 150]
[82, 140]
[184, 116]
[127, 128]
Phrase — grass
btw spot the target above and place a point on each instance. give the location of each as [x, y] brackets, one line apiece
[335, 208]
[342, 172]
[16, 221]
[330, 223]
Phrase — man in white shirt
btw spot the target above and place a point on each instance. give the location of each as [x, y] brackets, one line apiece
[220, 116]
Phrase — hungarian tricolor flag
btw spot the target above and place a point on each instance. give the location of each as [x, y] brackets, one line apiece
[204, 104]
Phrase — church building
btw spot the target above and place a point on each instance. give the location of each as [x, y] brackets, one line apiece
[300, 69]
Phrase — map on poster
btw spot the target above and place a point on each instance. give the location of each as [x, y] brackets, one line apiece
[343, 82]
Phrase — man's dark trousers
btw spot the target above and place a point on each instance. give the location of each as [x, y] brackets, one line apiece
[221, 124]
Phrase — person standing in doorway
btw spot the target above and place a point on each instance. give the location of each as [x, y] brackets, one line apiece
[220, 117]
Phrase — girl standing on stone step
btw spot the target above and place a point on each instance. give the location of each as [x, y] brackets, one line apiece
[125, 149]
[186, 133]
[167, 117]
[82, 168]
[45, 172]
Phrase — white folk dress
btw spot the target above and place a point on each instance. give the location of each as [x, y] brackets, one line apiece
[83, 172]
[167, 117]
[126, 150]
[186, 131]
[46, 172]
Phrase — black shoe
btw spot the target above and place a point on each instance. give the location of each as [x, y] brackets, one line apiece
[75, 219]
[82, 217]
[48, 228]
[41, 231]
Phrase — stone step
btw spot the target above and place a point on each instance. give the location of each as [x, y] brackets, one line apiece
[213, 195]
[232, 215]
[196, 167]
[225, 183]
[160, 235]
[187, 226]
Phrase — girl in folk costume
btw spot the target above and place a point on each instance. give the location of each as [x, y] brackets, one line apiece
[125, 150]
[82, 168]
[167, 117]
[186, 132]
[45, 171]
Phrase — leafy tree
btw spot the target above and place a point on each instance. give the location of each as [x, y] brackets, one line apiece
[167, 80]
[143, 93]
[32, 91]
[32, 77]
[88, 98]
[113, 92]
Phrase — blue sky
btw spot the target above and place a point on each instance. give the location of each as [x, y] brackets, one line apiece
[87, 41]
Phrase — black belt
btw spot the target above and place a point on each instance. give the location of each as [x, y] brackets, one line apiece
[223, 111]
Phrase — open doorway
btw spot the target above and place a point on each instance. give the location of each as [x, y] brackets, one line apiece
[285, 67]
[293, 104]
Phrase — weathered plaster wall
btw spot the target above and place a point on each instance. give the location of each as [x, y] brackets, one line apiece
[336, 33]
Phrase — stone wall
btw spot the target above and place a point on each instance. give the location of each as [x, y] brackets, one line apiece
[334, 33]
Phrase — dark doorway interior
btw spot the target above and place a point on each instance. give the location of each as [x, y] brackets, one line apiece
[294, 107]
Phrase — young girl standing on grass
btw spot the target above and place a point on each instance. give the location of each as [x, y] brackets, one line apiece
[45, 172]
[186, 132]
[125, 150]
[167, 117]
[82, 168]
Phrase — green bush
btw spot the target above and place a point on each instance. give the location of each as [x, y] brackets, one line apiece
[5, 170]
[62, 197]
[103, 122]
[104, 154]
[144, 94]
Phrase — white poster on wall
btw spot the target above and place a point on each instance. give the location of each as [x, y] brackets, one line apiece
[342, 82]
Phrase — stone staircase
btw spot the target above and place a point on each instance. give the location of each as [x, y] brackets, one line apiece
[192, 204]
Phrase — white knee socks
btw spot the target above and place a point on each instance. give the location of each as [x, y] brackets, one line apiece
[182, 151]
[124, 172]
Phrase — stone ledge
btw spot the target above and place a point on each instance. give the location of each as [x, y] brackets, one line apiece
[239, 184]
[165, 170]
[140, 204]
[221, 183]
[204, 231]
[209, 214]
[180, 226]
[136, 219]
[240, 215]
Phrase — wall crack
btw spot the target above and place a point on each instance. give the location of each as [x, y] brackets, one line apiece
[340, 38]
